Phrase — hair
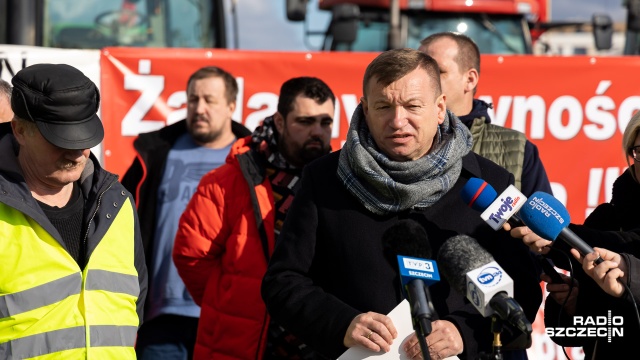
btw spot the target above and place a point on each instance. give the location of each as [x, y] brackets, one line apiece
[230, 84]
[30, 127]
[5, 89]
[310, 87]
[629, 137]
[392, 65]
[468, 52]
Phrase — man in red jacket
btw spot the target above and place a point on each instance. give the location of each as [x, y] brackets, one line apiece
[228, 231]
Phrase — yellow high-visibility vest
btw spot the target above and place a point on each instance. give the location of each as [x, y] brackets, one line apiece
[50, 309]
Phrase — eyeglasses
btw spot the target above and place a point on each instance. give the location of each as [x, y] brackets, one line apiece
[635, 152]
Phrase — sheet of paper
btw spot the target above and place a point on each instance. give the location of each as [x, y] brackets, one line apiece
[401, 317]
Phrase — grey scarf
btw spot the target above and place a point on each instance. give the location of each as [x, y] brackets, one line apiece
[385, 186]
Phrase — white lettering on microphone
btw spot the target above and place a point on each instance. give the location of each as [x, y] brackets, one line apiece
[541, 206]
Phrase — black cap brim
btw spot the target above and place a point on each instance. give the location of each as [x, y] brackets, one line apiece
[73, 136]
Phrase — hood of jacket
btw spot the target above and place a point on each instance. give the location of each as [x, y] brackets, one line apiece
[241, 146]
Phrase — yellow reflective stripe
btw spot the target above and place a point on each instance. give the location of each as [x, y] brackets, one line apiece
[45, 343]
[112, 335]
[112, 282]
[39, 296]
[67, 339]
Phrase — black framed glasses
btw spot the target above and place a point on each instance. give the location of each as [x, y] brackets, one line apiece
[635, 153]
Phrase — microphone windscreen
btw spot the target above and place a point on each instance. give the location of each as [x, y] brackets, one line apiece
[406, 237]
[478, 194]
[545, 215]
[459, 255]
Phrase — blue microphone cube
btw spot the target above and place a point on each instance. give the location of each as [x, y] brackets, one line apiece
[414, 268]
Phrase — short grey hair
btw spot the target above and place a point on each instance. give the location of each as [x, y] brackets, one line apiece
[5, 89]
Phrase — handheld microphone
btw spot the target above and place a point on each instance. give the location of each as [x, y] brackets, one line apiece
[496, 210]
[478, 194]
[472, 271]
[407, 242]
[547, 217]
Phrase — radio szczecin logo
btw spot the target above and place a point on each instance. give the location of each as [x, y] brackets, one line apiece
[591, 327]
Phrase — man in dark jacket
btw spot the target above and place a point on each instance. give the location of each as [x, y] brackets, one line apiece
[72, 272]
[163, 176]
[459, 60]
[405, 157]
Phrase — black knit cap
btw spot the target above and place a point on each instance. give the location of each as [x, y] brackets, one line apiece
[62, 102]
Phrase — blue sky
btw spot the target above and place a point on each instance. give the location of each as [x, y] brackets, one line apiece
[264, 26]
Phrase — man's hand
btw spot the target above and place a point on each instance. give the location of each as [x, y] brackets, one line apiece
[371, 330]
[535, 243]
[560, 292]
[444, 341]
[607, 273]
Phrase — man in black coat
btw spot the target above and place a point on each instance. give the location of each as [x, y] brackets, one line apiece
[405, 157]
[166, 171]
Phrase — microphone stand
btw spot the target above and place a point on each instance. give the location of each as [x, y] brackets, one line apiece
[422, 326]
[496, 329]
[421, 312]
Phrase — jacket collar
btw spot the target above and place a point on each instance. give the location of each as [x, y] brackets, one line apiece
[168, 135]
[478, 111]
[470, 166]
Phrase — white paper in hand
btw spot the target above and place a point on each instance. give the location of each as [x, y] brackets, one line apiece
[401, 317]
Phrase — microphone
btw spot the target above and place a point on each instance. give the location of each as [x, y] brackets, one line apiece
[496, 210]
[416, 275]
[547, 217]
[478, 194]
[405, 237]
[472, 271]
[406, 243]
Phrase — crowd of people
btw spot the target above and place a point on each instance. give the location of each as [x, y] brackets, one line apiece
[222, 242]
